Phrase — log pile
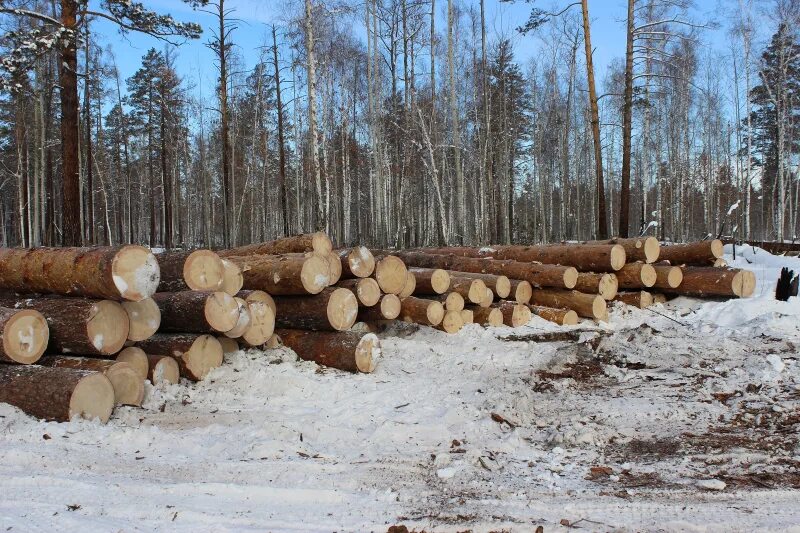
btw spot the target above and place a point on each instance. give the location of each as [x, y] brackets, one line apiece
[83, 328]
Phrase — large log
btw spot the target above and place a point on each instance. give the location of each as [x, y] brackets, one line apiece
[310, 242]
[389, 309]
[332, 309]
[700, 252]
[258, 296]
[121, 273]
[521, 291]
[366, 290]
[487, 316]
[716, 282]
[562, 317]
[587, 257]
[640, 299]
[128, 384]
[499, 284]
[471, 289]
[452, 322]
[606, 285]
[536, 274]
[345, 350]
[286, 275]
[644, 249]
[136, 358]
[195, 354]
[391, 273]
[421, 311]
[78, 325]
[356, 262]
[196, 311]
[23, 335]
[198, 270]
[514, 315]
[430, 280]
[262, 323]
[452, 301]
[243, 320]
[668, 277]
[144, 318]
[57, 393]
[636, 276]
[232, 278]
[586, 305]
[334, 267]
[163, 369]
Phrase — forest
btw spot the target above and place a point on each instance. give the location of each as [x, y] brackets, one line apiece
[399, 123]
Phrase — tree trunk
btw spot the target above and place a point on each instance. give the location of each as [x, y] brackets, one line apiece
[704, 282]
[586, 305]
[514, 314]
[281, 142]
[606, 285]
[701, 252]
[23, 335]
[344, 350]
[284, 275]
[636, 276]
[627, 126]
[430, 280]
[420, 311]
[562, 317]
[70, 160]
[332, 309]
[163, 369]
[197, 312]
[196, 355]
[668, 277]
[588, 258]
[127, 383]
[640, 299]
[645, 249]
[310, 242]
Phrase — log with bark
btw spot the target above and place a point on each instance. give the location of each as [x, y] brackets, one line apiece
[487, 316]
[640, 299]
[499, 284]
[366, 290]
[430, 280]
[586, 305]
[421, 311]
[310, 242]
[284, 275]
[521, 291]
[586, 257]
[78, 325]
[636, 276]
[715, 282]
[390, 272]
[232, 278]
[345, 350]
[471, 289]
[514, 315]
[136, 358]
[644, 249]
[332, 309]
[700, 252]
[127, 383]
[389, 309]
[163, 369]
[562, 317]
[24, 335]
[197, 311]
[57, 393]
[262, 323]
[668, 277]
[195, 354]
[144, 318]
[356, 262]
[243, 320]
[536, 274]
[606, 285]
[121, 273]
[451, 322]
[198, 270]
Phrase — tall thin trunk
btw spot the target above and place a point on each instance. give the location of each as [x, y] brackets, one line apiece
[311, 72]
[70, 161]
[88, 125]
[281, 142]
[458, 212]
[627, 115]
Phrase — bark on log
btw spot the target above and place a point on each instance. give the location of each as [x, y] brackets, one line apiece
[430, 280]
[198, 270]
[389, 309]
[288, 275]
[163, 369]
[243, 320]
[499, 284]
[78, 325]
[514, 315]
[586, 305]
[344, 350]
[640, 299]
[487, 316]
[588, 257]
[562, 317]
[262, 323]
[356, 262]
[195, 354]
[144, 318]
[636, 276]
[409, 286]
[606, 285]
[366, 290]
[121, 273]
[421, 311]
[136, 358]
[232, 278]
[701, 252]
[332, 309]
[310, 242]
[127, 383]
[23, 335]
[644, 249]
[451, 322]
[197, 312]
[473, 290]
[390, 272]
[668, 277]
[57, 393]
[715, 282]
[521, 291]
[535, 274]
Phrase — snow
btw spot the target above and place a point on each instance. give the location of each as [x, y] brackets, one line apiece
[680, 417]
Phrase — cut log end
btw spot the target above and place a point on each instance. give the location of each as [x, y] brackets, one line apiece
[409, 286]
[440, 281]
[135, 273]
[92, 397]
[571, 276]
[570, 318]
[390, 306]
[368, 292]
[488, 298]
[221, 311]
[454, 302]
[367, 353]
[477, 291]
[342, 309]
[648, 275]
[674, 277]
[520, 316]
[361, 262]
[262, 324]
[744, 284]
[600, 308]
[522, 292]
[502, 287]
[136, 358]
[108, 327]
[25, 336]
[652, 249]
[164, 370]
[321, 243]
[334, 267]
[618, 257]
[203, 270]
[717, 248]
[232, 279]
[144, 317]
[128, 384]
[452, 322]
[243, 320]
[468, 316]
[258, 296]
[274, 342]
[608, 286]
[203, 356]
[435, 312]
[229, 345]
[391, 274]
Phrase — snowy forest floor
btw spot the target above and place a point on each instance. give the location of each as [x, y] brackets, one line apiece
[682, 417]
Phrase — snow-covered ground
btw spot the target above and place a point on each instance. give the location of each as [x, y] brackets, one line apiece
[682, 417]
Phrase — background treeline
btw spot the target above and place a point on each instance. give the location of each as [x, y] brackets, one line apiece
[397, 123]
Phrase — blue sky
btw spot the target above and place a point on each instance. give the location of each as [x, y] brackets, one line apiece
[195, 61]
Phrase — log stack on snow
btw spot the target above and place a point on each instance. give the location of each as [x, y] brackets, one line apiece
[83, 328]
